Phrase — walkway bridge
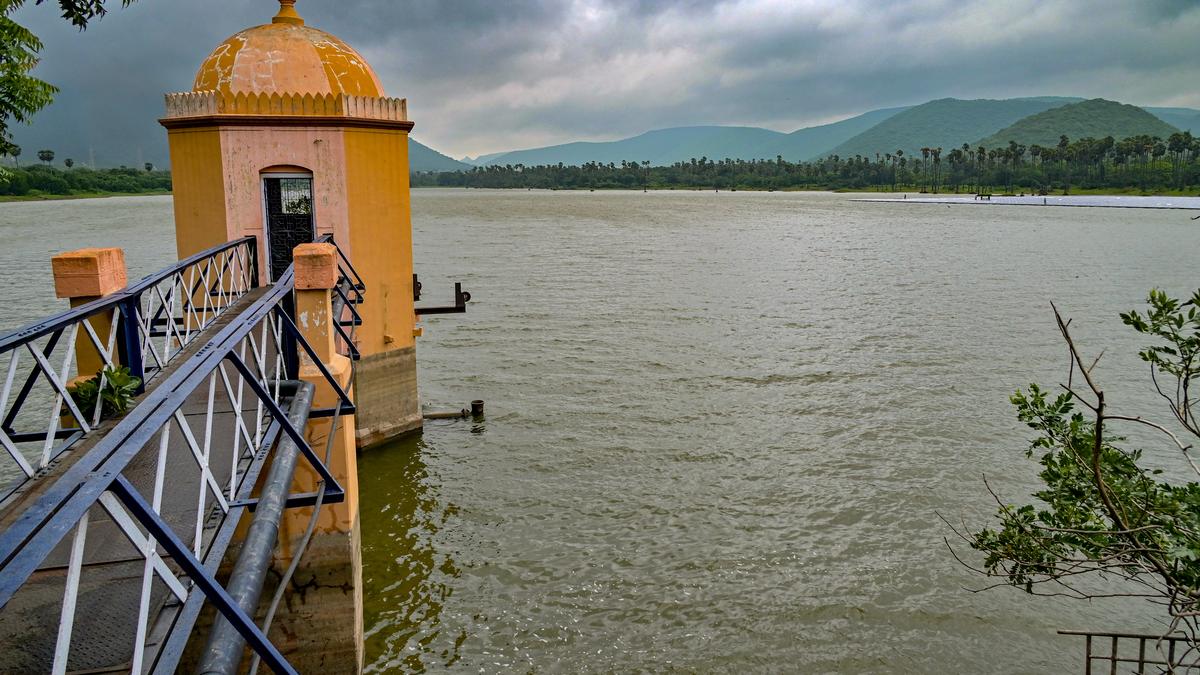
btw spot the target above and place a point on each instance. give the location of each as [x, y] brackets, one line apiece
[113, 531]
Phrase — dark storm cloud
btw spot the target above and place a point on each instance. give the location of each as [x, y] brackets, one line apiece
[485, 76]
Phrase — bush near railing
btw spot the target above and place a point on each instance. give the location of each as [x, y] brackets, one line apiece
[114, 388]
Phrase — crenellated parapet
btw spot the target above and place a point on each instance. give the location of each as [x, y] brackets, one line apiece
[200, 104]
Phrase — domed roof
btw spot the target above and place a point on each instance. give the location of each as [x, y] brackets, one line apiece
[286, 57]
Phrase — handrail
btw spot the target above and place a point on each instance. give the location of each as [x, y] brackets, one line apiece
[76, 314]
[349, 282]
[151, 279]
[1131, 636]
[252, 345]
[356, 279]
[148, 324]
[1181, 660]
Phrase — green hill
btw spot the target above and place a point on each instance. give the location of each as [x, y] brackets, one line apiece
[662, 146]
[944, 123]
[812, 142]
[423, 158]
[1184, 119]
[1096, 118]
[679, 144]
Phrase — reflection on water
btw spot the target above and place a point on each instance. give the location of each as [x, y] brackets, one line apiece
[405, 579]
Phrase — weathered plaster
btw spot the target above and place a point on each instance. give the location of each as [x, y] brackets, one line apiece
[284, 58]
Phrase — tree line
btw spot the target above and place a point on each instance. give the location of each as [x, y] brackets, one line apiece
[49, 180]
[1145, 163]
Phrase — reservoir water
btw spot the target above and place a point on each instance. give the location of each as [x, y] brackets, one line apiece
[720, 427]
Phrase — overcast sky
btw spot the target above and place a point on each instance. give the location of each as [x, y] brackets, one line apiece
[483, 76]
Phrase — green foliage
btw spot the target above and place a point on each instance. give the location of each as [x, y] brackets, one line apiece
[1175, 323]
[114, 388]
[78, 12]
[22, 95]
[1096, 118]
[1100, 511]
[48, 180]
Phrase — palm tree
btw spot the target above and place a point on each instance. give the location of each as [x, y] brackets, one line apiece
[1177, 144]
[925, 169]
[980, 154]
[15, 153]
[1063, 144]
[68, 162]
[46, 156]
[965, 158]
[937, 168]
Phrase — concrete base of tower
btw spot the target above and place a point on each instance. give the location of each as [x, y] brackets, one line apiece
[319, 626]
[386, 396]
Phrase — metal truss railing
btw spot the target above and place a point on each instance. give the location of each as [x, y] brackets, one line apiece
[347, 295]
[142, 327]
[1137, 653]
[142, 520]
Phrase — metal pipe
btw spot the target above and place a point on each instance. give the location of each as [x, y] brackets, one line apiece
[223, 653]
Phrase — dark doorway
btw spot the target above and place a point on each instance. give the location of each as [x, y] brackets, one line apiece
[289, 219]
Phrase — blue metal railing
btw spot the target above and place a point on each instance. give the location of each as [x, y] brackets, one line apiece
[236, 385]
[347, 295]
[148, 324]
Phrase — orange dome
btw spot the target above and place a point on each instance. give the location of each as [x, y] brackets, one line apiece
[286, 57]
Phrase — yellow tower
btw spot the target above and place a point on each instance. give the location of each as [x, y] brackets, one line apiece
[287, 135]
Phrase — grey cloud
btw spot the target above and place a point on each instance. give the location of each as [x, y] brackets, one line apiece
[486, 76]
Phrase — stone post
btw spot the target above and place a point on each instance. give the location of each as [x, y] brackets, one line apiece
[323, 619]
[83, 276]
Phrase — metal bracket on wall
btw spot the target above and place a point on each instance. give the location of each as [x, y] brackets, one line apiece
[461, 298]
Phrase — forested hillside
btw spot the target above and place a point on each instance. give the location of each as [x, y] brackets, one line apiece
[1096, 118]
[945, 123]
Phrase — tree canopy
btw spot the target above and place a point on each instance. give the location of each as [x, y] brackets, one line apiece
[21, 94]
[1105, 510]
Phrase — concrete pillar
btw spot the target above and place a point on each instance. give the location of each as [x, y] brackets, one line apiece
[321, 628]
[83, 276]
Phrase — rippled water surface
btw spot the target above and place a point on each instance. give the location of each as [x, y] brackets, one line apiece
[720, 427]
[31, 232]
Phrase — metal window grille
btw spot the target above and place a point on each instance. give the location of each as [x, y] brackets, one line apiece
[289, 219]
